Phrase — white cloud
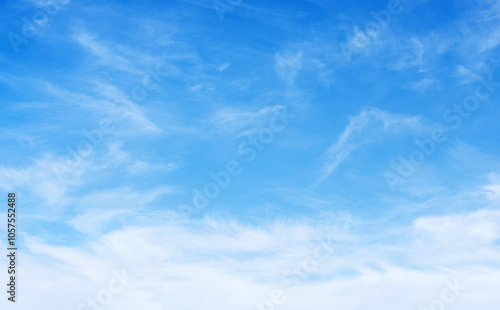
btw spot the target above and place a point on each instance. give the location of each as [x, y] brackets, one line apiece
[287, 66]
[120, 105]
[412, 53]
[367, 127]
[466, 75]
[105, 54]
[491, 42]
[223, 66]
[493, 191]
[425, 83]
[231, 265]
[48, 179]
[117, 157]
[472, 230]
[233, 120]
[100, 210]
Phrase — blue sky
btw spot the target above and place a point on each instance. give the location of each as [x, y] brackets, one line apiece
[373, 124]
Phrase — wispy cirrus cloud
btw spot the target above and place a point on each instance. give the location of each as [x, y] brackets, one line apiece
[425, 83]
[48, 179]
[369, 126]
[109, 208]
[105, 55]
[243, 121]
[288, 65]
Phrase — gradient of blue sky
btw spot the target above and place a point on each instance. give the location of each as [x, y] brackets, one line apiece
[219, 82]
